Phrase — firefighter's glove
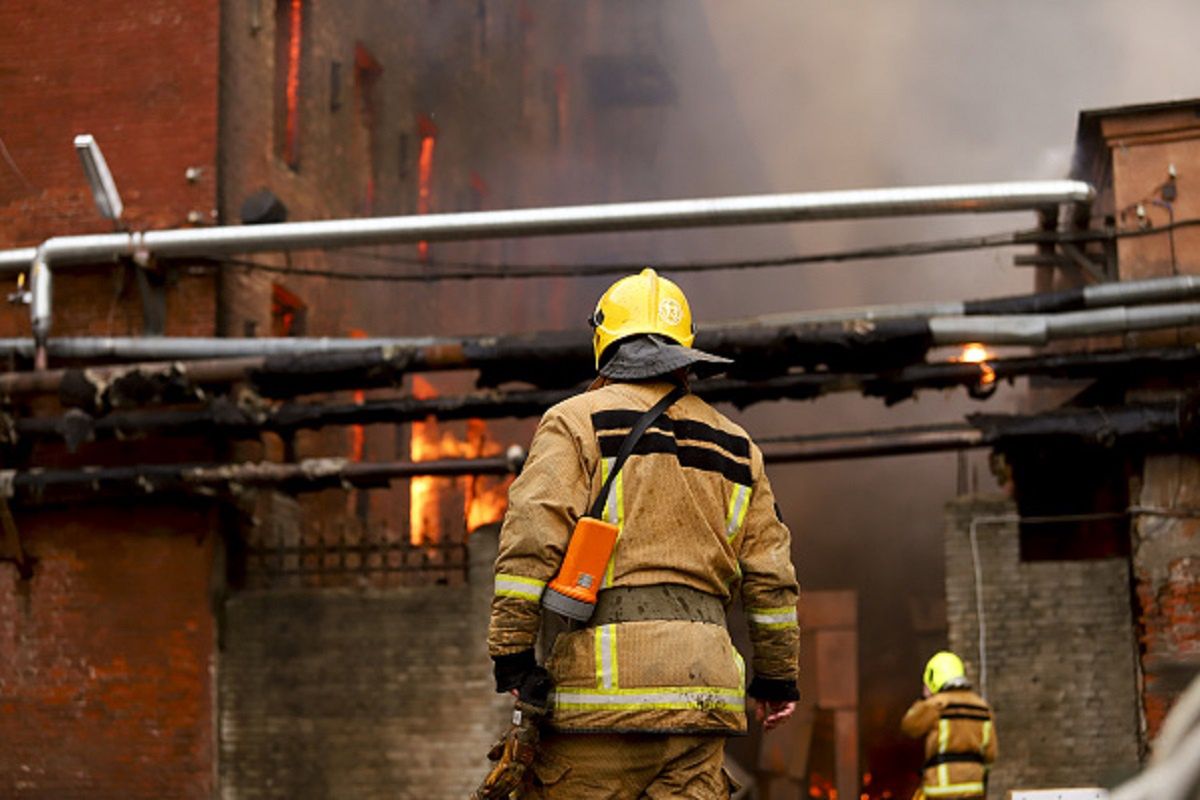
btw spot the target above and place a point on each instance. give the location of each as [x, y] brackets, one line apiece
[513, 754]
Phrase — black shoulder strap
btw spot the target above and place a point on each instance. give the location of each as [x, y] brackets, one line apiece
[631, 440]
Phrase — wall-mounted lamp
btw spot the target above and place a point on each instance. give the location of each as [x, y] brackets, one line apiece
[104, 189]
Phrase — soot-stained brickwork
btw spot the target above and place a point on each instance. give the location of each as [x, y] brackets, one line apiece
[105, 666]
[1060, 653]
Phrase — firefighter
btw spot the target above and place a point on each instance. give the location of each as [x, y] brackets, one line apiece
[643, 694]
[960, 735]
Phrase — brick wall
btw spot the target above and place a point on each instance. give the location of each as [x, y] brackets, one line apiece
[106, 654]
[359, 694]
[144, 84]
[1060, 654]
[105, 669]
[1166, 565]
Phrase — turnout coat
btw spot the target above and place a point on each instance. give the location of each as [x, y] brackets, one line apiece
[960, 742]
[694, 509]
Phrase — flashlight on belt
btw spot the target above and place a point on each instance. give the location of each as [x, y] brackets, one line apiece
[572, 593]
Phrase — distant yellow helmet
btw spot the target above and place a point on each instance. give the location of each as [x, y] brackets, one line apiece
[642, 303]
[941, 669]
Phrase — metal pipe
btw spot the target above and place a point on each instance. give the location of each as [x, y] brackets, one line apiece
[16, 260]
[554, 221]
[1150, 423]
[450, 353]
[313, 474]
[873, 444]
[1038, 329]
[186, 348]
[41, 282]
[1103, 295]
[224, 419]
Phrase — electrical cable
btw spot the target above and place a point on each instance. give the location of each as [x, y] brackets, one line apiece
[471, 270]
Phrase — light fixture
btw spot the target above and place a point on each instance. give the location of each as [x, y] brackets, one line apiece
[104, 189]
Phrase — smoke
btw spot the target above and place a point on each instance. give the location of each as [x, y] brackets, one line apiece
[686, 99]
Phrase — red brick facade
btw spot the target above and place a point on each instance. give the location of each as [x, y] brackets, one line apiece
[106, 654]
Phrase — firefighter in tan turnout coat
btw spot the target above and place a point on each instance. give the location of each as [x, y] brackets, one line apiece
[646, 691]
[959, 733]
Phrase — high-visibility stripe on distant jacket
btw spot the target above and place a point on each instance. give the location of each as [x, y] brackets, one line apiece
[694, 508]
[960, 742]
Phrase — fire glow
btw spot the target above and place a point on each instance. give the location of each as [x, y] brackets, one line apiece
[428, 133]
[975, 353]
[292, 92]
[484, 498]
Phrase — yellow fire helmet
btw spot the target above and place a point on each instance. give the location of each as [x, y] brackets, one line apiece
[642, 303]
[941, 669]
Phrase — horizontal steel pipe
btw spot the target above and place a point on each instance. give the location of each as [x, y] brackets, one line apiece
[1163, 423]
[608, 217]
[432, 353]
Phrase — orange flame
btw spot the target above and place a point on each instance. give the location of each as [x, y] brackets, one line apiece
[424, 185]
[484, 498]
[292, 91]
[975, 353]
[821, 787]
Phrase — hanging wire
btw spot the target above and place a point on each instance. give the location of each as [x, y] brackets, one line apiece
[473, 270]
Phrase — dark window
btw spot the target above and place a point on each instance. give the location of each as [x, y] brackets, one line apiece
[367, 71]
[335, 85]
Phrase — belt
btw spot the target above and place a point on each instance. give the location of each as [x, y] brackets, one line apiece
[662, 601]
[953, 758]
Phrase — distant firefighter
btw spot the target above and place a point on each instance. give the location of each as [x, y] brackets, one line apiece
[960, 735]
[637, 695]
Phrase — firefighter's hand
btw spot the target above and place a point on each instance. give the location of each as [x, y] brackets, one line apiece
[772, 713]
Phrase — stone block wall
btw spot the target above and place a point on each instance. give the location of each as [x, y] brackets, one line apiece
[1060, 653]
[364, 694]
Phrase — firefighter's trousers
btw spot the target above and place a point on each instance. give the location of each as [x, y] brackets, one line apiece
[604, 766]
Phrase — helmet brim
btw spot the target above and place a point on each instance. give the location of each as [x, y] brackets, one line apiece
[651, 355]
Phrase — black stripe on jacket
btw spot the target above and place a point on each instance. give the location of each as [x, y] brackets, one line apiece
[623, 420]
[702, 458]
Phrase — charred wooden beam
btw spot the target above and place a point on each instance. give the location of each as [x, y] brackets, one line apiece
[226, 418]
[36, 486]
[1154, 425]
[871, 338]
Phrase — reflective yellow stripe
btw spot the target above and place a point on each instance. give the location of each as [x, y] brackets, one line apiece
[518, 586]
[783, 617]
[739, 501]
[606, 657]
[954, 788]
[987, 737]
[614, 511]
[741, 667]
[943, 770]
[700, 698]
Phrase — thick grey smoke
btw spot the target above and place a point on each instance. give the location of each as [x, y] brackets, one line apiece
[797, 95]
